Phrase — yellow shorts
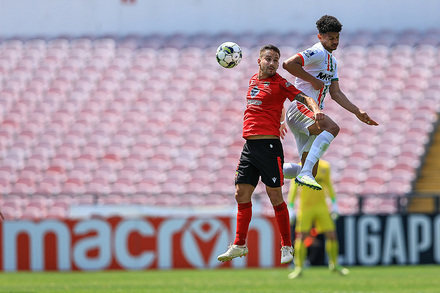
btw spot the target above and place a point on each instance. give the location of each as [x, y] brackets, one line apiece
[318, 217]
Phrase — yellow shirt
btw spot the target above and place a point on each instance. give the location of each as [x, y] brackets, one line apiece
[310, 198]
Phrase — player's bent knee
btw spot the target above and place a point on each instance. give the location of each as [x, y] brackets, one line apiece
[275, 195]
[336, 130]
[327, 124]
[332, 127]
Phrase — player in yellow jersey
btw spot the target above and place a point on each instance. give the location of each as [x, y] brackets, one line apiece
[313, 211]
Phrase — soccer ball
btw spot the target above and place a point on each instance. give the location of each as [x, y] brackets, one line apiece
[228, 54]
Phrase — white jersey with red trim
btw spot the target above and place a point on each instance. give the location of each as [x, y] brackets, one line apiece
[321, 64]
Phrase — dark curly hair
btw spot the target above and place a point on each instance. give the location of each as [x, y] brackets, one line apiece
[328, 23]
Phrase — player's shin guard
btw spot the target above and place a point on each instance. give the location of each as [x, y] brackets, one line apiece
[318, 148]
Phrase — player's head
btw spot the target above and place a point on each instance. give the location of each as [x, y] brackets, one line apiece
[269, 60]
[328, 23]
[329, 28]
[269, 47]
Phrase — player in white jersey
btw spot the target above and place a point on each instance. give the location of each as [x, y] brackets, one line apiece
[323, 65]
[316, 75]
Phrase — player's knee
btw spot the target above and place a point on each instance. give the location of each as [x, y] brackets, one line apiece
[275, 196]
[243, 193]
[333, 128]
[241, 198]
[291, 170]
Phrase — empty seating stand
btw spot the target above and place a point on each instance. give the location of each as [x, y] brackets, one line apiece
[105, 120]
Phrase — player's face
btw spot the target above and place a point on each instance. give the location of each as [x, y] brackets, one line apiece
[329, 40]
[268, 62]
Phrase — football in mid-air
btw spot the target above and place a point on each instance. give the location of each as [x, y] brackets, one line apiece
[229, 54]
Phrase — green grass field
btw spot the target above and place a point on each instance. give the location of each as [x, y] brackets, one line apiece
[317, 279]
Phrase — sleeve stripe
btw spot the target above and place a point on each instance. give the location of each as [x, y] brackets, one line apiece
[302, 58]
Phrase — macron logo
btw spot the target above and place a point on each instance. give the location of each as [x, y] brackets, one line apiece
[274, 179]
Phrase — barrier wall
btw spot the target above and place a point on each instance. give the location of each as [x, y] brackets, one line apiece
[133, 244]
[195, 242]
[391, 239]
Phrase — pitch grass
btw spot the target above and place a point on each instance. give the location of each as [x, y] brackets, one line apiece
[317, 279]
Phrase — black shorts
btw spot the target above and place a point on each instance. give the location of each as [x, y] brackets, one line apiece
[262, 157]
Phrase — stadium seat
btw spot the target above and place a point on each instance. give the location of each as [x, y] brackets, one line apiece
[124, 186]
[348, 203]
[99, 186]
[148, 186]
[11, 213]
[56, 212]
[24, 186]
[74, 185]
[33, 213]
[348, 184]
[49, 185]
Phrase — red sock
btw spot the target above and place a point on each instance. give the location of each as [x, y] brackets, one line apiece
[244, 216]
[282, 217]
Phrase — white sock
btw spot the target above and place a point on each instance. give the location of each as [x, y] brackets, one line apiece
[318, 148]
[291, 170]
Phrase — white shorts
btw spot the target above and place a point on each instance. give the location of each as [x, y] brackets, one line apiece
[299, 118]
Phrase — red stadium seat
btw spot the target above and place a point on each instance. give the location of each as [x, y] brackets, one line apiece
[56, 212]
[33, 213]
[73, 185]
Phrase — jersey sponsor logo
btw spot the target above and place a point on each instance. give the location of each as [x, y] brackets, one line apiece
[254, 91]
[254, 102]
[324, 76]
[309, 53]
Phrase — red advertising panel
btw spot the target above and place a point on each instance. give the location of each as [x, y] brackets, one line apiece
[133, 244]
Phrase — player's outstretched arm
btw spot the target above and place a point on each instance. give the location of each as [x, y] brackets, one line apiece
[339, 97]
[363, 116]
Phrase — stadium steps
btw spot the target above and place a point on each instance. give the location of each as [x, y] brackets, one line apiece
[426, 205]
[427, 187]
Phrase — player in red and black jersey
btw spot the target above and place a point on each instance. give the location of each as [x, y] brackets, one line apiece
[262, 154]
